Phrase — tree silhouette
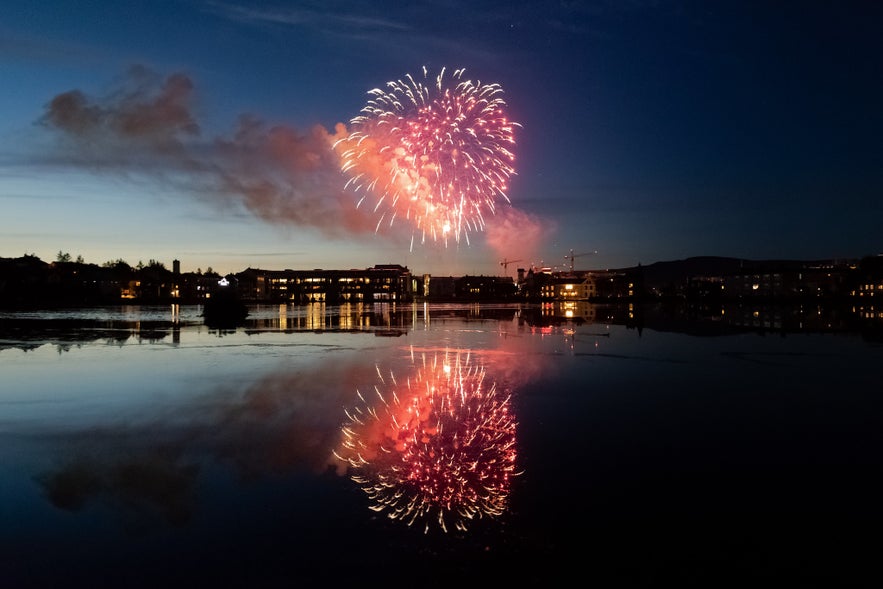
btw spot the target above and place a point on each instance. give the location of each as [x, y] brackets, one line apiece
[119, 264]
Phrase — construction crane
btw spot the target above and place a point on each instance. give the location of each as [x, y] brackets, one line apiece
[505, 264]
[573, 255]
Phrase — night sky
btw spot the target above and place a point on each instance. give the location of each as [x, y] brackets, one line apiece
[649, 131]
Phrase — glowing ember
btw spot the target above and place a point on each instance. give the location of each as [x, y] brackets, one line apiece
[437, 154]
[440, 448]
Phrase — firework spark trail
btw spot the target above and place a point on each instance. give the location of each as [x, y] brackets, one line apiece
[437, 154]
[439, 448]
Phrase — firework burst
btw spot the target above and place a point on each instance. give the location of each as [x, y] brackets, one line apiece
[438, 448]
[439, 154]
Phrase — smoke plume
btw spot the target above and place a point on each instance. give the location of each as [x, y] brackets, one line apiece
[516, 235]
[146, 126]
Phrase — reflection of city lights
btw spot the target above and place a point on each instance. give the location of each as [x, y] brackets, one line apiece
[438, 447]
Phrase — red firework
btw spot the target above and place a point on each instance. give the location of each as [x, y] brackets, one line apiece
[438, 154]
[440, 448]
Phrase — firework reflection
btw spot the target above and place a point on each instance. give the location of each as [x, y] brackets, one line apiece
[439, 447]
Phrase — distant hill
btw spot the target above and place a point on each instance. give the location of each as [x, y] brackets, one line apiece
[677, 271]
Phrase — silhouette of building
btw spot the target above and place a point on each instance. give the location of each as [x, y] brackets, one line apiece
[28, 281]
[383, 282]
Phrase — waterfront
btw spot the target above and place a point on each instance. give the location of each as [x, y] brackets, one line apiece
[138, 446]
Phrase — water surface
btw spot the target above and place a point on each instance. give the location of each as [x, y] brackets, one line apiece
[139, 447]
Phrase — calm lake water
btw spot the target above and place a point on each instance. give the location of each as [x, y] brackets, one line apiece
[138, 447]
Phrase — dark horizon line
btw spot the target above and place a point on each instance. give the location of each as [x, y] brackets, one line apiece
[210, 269]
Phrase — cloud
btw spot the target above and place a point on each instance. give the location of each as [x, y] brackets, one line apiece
[147, 111]
[321, 16]
[146, 128]
[516, 235]
[139, 487]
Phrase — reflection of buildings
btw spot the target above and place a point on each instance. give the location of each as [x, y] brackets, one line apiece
[719, 319]
[790, 318]
[28, 334]
[382, 319]
[579, 313]
[390, 319]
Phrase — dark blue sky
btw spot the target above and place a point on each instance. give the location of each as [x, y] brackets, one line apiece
[651, 130]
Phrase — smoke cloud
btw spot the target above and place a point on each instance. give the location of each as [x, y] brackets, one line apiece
[516, 235]
[147, 126]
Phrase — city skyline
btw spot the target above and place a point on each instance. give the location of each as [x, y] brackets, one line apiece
[647, 131]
